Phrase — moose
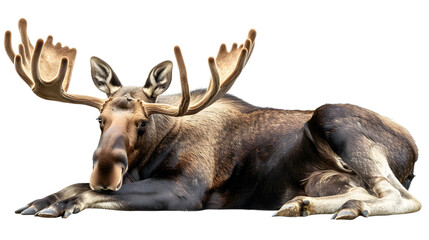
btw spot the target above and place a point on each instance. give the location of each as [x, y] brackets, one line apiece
[207, 149]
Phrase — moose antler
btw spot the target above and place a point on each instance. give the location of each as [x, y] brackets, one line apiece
[224, 71]
[46, 61]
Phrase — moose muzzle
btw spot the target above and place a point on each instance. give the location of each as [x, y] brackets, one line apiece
[110, 161]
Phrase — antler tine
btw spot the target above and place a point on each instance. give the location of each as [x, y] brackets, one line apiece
[35, 70]
[185, 98]
[28, 48]
[53, 62]
[250, 43]
[8, 45]
[212, 90]
[224, 70]
[21, 72]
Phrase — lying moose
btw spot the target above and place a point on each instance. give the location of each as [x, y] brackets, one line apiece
[207, 149]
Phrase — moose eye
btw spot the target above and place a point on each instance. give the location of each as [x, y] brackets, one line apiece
[100, 121]
[141, 128]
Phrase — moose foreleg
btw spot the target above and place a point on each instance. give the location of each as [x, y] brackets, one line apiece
[38, 205]
[149, 194]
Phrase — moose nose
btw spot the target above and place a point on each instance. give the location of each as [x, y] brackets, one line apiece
[106, 177]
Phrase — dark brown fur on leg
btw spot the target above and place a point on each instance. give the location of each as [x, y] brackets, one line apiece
[329, 182]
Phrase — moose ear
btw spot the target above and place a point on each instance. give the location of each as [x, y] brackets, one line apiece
[103, 76]
[159, 79]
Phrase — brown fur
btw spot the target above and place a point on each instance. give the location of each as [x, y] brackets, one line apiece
[180, 153]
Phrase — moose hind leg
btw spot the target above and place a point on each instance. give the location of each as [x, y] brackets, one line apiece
[370, 161]
[392, 197]
[376, 149]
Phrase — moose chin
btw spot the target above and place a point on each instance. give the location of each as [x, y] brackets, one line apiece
[208, 149]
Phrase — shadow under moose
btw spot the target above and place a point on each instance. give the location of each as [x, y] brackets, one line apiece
[206, 149]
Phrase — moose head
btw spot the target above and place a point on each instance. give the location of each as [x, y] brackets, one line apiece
[132, 119]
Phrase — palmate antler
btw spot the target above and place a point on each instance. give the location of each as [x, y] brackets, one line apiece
[46, 61]
[54, 62]
[224, 71]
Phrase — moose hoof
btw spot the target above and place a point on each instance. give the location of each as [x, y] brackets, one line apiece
[295, 208]
[351, 210]
[346, 214]
[26, 211]
[47, 213]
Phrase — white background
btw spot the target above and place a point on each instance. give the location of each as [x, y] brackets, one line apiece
[371, 53]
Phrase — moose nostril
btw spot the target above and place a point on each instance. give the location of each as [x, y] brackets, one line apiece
[101, 188]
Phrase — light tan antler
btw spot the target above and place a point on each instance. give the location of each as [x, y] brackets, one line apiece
[224, 71]
[46, 61]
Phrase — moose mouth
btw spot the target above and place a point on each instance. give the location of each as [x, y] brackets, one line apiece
[107, 189]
